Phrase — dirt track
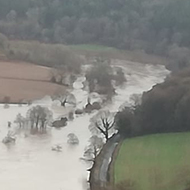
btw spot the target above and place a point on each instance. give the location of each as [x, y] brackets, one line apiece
[24, 81]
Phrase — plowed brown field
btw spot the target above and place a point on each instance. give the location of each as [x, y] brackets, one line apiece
[25, 81]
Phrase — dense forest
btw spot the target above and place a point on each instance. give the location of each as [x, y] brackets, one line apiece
[165, 108]
[154, 26]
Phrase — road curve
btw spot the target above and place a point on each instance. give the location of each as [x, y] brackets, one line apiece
[107, 158]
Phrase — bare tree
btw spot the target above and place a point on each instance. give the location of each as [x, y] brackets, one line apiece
[39, 117]
[64, 97]
[94, 148]
[103, 123]
[20, 120]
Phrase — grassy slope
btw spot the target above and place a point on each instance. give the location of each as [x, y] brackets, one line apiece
[155, 162]
[112, 53]
[91, 47]
[91, 50]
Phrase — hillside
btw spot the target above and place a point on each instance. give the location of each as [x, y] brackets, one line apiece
[153, 26]
[154, 162]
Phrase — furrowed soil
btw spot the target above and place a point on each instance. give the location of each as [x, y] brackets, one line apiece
[24, 81]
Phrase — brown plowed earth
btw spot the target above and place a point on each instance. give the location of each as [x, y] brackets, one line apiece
[24, 81]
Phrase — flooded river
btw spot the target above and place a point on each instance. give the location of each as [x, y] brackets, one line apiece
[30, 164]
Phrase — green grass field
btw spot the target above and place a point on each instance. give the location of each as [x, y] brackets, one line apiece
[91, 47]
[155, 162]
[91, 50]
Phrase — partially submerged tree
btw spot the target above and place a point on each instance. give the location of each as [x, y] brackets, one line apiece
[20, 120]
[71, 115]
[119, 76]
[39, 117]
[92, 106]
[100, 76]
[64, 97]
[94, 148]
[10, 138]
[104, 123]
[72, 139]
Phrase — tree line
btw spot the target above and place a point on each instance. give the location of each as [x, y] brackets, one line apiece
[154, 26]
[163, 109]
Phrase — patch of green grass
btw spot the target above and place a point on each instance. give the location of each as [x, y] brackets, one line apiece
[91, 47]
[155, 162]
[94, 50]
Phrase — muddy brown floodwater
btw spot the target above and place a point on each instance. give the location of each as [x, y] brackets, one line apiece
[30, 164]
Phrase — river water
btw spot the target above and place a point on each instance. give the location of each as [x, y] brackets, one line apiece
[30, 164]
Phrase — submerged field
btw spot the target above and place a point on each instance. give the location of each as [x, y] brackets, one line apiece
[154, 162]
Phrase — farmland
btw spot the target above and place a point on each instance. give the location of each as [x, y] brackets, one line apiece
[154, 162]
[25, 81]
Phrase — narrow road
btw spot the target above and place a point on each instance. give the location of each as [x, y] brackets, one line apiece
[107, 158]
